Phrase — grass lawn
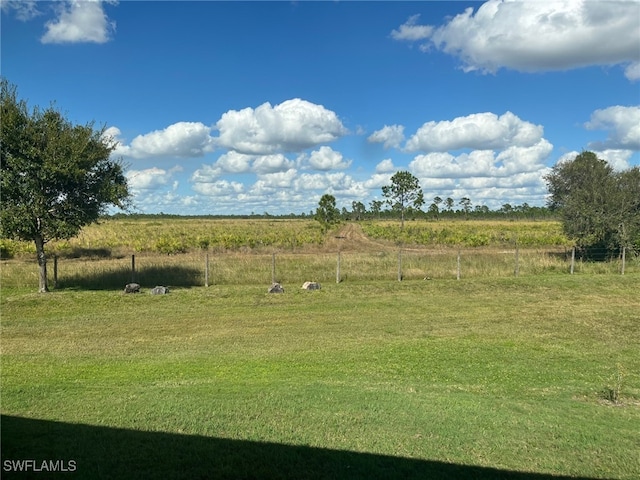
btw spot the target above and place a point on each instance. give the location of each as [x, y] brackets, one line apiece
[529, 377]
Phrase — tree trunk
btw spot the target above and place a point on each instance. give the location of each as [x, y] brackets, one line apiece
[42, 264]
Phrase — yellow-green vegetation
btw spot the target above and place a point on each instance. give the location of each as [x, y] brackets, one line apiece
[471, 233]
[479, 378]
[179, 235]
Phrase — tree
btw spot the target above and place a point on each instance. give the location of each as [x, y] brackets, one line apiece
[358, 210]
[465, 203]
[449, 203]
[403, 192]
[376, 207]
[599, 208]
[327, 213]
[55, 177]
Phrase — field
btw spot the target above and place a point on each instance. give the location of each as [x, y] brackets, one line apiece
[492, 376]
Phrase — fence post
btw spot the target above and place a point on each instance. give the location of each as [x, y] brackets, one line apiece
[273, 268]
[55, 271]
[400, 265]
[516, 271]
[458, 267]
[206, 269]
[133, 268]
[624, 252]
[338, 269]
[573, 259]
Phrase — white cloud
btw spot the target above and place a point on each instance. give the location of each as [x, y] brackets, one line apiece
[386, 166]
[291, 126]
[79, 21]
[482, 163]
[389, 135]
[480, 131]
[623, 124]
[206, 174]
[219, 188]
[410, 30]
[272, 163]
[632, 72]
[532, 36]
[182, 139]
[234, 162]
[327, 159]
[24, 9]
[151, 178]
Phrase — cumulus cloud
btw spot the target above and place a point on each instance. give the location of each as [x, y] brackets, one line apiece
[483, 163]
[219, 188]
[79, 21]
[326, 158]
[151, 178]
[479, 131]
[389, 135]
[182, 139]
[537, 36]
[623, 125]
[385, 166]
[292, 126]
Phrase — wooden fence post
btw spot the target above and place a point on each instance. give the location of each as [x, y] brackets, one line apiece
[133, 268]
[338, 269]
[573, 259]
[55, 271]
[458, 269]
[273, 268]
[206, 269]
[624, 252]
[516, 271]
[400, 265]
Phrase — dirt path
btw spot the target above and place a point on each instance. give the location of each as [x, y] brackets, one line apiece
[351, 238]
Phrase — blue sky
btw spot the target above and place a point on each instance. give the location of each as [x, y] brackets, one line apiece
[234, 107]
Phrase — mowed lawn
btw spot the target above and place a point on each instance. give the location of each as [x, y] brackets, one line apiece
[526, 377]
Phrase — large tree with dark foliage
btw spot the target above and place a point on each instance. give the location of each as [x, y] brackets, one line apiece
[55, 177]
[404, 192]
[599, 207]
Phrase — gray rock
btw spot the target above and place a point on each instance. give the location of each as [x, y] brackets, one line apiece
[132, 288]
[275, 288]
[311, 286]
[160, 290]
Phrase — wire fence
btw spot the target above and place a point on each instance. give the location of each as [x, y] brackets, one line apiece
[206, 268]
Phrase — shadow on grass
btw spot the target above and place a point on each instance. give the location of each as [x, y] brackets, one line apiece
[148, 277]
[99, 452]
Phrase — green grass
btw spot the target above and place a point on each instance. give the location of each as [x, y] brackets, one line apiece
[444, 379]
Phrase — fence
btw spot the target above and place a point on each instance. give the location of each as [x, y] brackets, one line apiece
[208, 268]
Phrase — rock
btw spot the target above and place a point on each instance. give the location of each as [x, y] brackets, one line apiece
[275, 288]
[311, 286]
[132, 288]
[160, 290]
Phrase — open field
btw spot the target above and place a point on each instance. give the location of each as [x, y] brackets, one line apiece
[523, 377]
[493, 376]
[180, 235]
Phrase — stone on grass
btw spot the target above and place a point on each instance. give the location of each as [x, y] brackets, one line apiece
[311, 286]
[132, 288]
[275, 288]
[160, 290]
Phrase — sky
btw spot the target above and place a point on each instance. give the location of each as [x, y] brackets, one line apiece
[262, 107]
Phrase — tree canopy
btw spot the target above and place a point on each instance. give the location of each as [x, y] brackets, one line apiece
[55, 177]
[403, 192]
[327, 213]
[599, 207]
